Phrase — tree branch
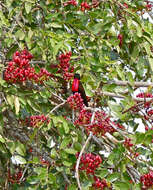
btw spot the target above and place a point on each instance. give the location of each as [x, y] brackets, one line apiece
[78, 161]
[56, 107]
[135, 84]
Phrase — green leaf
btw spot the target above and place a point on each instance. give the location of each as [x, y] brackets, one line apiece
[151, 65]
[72, 187]
[55, 25]
[120, 73]
[103, 173]
[17, 104]
[147, 140]
[2, 82]
[77, 146]
[21, 149]
[66, 126]
[135, 53]
[30, 33]
[68, 164]
[20, 34]
[65, 142]
[52, 178]
[2, 139]
[140, 138]
[113, 177]
[10, 100]
[139, 31]
[130, 78]
[86, 185]
[53, 153]
[121, 185]
[70, 151]
[149, 40]
[18, 159]
[28, 7]
[1, 122]
[137, 187]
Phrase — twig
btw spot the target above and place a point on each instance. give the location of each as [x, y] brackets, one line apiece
[130, 174]
[111, 138]
[24, 172]
[110, 94]
[56, 107]
[133, 172]
[135, 84]
[66, 178]
[99, 142]
[78, 161]
[93, 117]
[58, 96]
[73, 116]
[119, 130]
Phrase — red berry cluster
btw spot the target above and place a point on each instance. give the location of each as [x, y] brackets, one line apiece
[19, 69]
[89, 162]
[75, 101]
[85, 6]
[99, 126]
[37, 120]
[146, 128]
[147, 180]
[119, 126]
[136, 154]
[99, 184]
[14, 178]
[125, 5]
[42, 76]
[64, 66]
[144, 95]
[70, 2]
[127, 143]
[147, 104]
[150, 112]
[148, 6]
[120, 37]
[84, 118]
[44, 162]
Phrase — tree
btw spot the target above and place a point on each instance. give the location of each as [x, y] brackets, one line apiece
[48, 138]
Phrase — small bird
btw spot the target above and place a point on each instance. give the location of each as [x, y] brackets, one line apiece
[78, 87]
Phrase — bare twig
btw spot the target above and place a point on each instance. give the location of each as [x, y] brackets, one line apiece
[78, 161]
[114, 95]
[56, 107]
[111, 138]
[66, 178]
[24, 172]
[133, 172]
[135, 84]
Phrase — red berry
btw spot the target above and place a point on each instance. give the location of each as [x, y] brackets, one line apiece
[89, 162]
[120, 37]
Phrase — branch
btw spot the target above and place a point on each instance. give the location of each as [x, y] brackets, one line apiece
[110, 94]
[78, 161]
[114, 95]
[133, 173]
[66, 178]
[135, 84]
[24, 172]
[56, 107]
[111, 138]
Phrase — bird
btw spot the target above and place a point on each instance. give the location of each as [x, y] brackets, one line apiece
[78, 87]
